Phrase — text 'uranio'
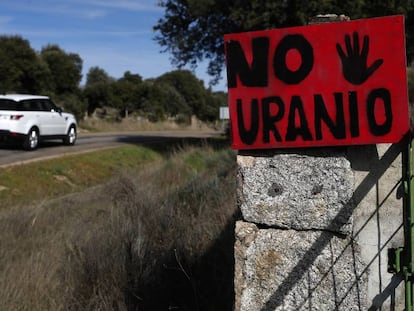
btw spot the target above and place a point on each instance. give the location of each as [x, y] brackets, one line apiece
[319, 85]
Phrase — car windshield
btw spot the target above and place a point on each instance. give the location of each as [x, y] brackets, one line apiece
[8, 104]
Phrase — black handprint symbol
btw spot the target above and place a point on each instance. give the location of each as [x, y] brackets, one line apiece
[354, 65]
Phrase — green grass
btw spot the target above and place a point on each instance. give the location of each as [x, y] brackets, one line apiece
[32, 182]
[142, 230]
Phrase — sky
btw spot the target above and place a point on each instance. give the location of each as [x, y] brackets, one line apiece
[115, 35]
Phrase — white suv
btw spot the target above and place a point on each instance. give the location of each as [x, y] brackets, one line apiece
[32, 118]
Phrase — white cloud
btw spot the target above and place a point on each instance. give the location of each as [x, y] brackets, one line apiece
[130, 5]
[85, 9]
[67, 7]
[92, 14]
[74, 33]
[5, 20]
[86, 27]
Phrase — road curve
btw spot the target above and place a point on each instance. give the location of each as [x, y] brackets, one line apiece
[86, 142]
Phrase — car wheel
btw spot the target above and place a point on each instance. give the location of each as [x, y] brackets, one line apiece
[70, 137]
[31, 140]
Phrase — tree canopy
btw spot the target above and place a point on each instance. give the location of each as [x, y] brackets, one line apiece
[51, 71]
[192, 30]
[186, 84]
[127, 93]
[97, 89]
[55, 72]
[20, 68]
[65, 68]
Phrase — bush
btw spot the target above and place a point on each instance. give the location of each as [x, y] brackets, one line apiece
[155, 237]
[167, 242]
[71, 103]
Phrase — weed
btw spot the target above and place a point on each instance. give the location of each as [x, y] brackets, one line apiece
[26, 184]
[157, 238]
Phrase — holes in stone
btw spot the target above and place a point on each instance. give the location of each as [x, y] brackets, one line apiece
[275, 190]
[317, 189]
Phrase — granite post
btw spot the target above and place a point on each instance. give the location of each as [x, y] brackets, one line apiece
[316, 228]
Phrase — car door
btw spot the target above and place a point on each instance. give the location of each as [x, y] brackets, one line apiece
[56, 122]
[35, 115]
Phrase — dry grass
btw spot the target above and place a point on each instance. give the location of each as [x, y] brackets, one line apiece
[94, 124]
[157, 239]
[25, 184]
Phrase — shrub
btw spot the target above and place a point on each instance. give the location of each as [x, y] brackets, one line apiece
[167, 242]
[72, 103]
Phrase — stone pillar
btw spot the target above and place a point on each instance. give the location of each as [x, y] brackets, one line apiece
[316, 228]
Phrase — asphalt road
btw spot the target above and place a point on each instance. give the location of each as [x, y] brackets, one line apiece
[12, 155]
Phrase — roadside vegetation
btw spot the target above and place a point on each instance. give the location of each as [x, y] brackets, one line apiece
[137, 228]
[43, 180]
[176, 96]
[97, 124]
[156, 235]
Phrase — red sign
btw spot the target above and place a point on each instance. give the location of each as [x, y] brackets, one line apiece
[340, 83]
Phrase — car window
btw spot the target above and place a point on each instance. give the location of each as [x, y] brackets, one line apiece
[30, 105]
[8, 104]
[47, 105]
[35, 105]
[54, 107]
[25, 105]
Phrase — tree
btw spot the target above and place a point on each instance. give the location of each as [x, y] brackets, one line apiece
[132, 78]
[72, 102]
[404, 7]
[214, 100]
[65, 68]
[192, 30]
[41, 77]
[152, 106]
[98, 91]
[21, 70]
[189, 87]
[127, 93]
[173, 102]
